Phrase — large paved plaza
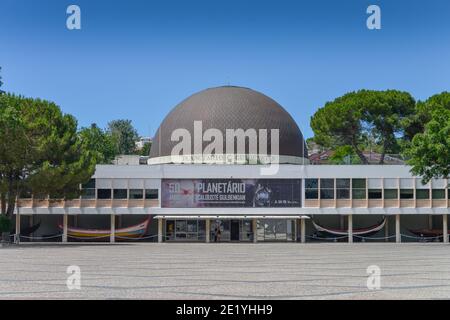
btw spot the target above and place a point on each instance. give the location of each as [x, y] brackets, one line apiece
[226, 271]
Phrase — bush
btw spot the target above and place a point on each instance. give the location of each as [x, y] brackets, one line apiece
[5, 224]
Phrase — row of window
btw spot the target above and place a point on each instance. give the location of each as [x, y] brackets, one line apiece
[120, 194]
[89, 191]
[357, 189]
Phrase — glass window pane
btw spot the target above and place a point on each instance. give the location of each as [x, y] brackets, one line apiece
[390, 194]
[327, 193]
[406, 193]
[375, 193]
[326, 183]
[343, 183]
[89, 185]
[120, 194]
[359, 183]
[25, 194]
[343, 193]
[151, 194]
[136, 194]
[311, 194]
[422, 194]
[88, 194]
[104, 193]
[438, 193]
[359, 193]
[311, 183]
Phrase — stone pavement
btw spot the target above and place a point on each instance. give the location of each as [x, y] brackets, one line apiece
[226, 271]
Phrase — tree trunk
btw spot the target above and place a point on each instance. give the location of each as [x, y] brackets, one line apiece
[359, 153]
[383, 153]
[11, 197]
[3, 203]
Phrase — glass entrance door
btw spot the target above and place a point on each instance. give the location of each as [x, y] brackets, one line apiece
[234, 230]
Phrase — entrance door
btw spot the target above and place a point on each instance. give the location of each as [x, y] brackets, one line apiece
[234, 230]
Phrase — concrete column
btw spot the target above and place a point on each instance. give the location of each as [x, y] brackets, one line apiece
[160, 230]
[398, 237]
[17, 235]
[445, 228]
[65, 222]
[112, 236]
[255, 230]
[302, 231]
[430, 221]
[295, 230]
[208, 230]
[386, 229]
[350, 228]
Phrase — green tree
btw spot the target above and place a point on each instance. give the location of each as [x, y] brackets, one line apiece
[124, 136]
[363, 120]
[145, 151]
[95, 139]
[429, 151]
[423, 113]
[1, 82]
[40, 150]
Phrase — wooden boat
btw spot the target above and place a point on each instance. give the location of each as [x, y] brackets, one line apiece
[27, 231]
[356, 232]
[427, 233]
[133, 232]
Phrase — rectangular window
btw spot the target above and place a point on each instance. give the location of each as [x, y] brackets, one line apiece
[343, 188]
[311, 194]
[343, 193]
[136, 194]
[438, 194]
[151, 194]
[423, 194]
[25, 194]
[89, 185]
[406, 193]
[120, 194]
[327, 189]
[88, 194]
[375, 194]
[359, 183]
[390, 194]
[88, 190]
[104, 193]
[359, 189]
[311, 183]
[311, 188]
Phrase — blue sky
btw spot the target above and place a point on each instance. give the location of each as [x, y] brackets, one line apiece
[138, 59]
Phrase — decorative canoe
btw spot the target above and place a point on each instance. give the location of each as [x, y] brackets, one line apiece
[356, 232]
[27, 231]
[136, 231]
[427, 233]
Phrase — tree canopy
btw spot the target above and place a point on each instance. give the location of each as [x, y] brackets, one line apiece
[40, 150]
[1, 82]
[124, 136]
[102, 144]
[362, 120]
[429, 151]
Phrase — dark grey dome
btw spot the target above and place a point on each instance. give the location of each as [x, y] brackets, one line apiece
[230, 107]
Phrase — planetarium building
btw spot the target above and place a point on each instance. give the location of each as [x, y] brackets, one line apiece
[229, 164]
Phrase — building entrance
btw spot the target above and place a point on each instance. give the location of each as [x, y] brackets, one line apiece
[234, 230]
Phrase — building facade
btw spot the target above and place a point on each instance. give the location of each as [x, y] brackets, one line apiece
[230, 196]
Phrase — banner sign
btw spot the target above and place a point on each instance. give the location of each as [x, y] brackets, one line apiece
[200, 193]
